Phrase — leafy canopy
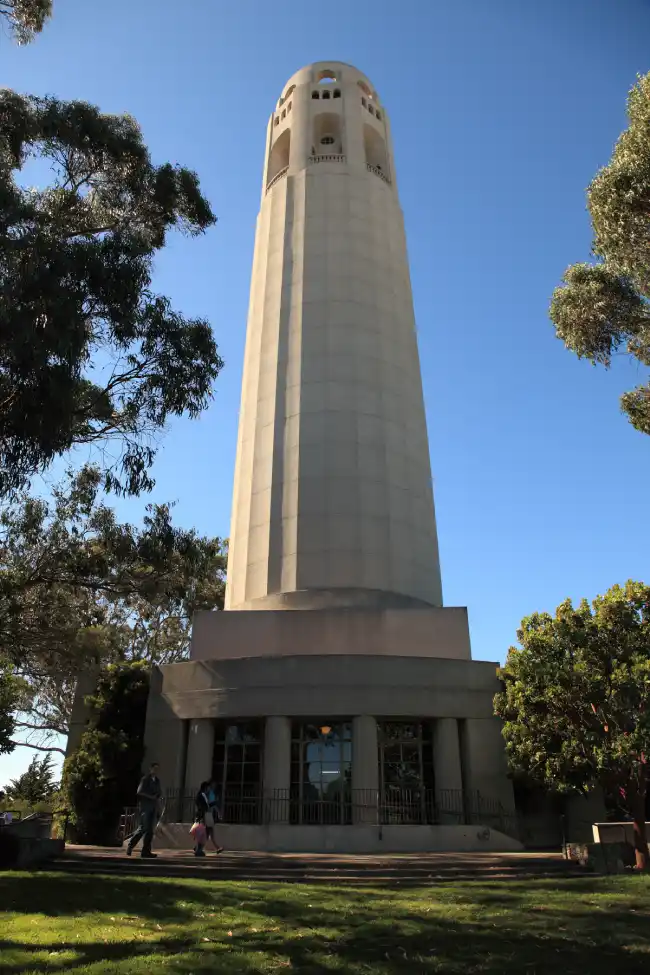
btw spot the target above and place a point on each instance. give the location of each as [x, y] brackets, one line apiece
[79, 589]
[11, 695]
[88, 354]
[603, 309]
[25, 18]
[101, 776]
[36, 784]
[576, 698]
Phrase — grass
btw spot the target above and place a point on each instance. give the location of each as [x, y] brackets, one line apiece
[67, 922]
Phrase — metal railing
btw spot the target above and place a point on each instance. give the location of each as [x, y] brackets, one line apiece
[128, 822]
[277, 178]
[248, 805]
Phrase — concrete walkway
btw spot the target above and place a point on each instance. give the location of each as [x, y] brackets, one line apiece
[397, 869]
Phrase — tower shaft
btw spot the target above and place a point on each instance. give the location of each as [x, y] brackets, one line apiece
[332, 502]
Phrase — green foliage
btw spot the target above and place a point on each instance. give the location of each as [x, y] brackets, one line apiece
[11, 689]
[603, 309]
[102, 776]
[25, 18]
[36, 784]
[576, 698]
[80, 589]
[88, 354]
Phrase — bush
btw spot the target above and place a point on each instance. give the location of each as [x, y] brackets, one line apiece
[102, 776]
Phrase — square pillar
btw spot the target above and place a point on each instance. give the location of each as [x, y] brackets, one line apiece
[485, 768]
[165, 742]
[200, 752]
[365, 770]
[277, 768]
[448, 776]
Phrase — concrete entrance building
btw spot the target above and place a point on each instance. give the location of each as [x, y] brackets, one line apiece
[335, 701]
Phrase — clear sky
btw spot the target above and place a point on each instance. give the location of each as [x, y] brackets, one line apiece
[501, 113]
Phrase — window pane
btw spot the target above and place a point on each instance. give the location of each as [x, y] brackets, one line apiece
[252, 753]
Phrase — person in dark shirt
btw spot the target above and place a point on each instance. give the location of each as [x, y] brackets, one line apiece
[149, 793]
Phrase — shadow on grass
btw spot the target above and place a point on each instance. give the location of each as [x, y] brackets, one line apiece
[549, 927]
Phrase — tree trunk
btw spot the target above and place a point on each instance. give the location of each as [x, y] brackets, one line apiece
[640, 837]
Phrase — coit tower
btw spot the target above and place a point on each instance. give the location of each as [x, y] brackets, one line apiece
[332, 504]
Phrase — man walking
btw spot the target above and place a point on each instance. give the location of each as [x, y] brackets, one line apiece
[149, 793]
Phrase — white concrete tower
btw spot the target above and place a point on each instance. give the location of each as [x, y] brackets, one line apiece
[332, 504]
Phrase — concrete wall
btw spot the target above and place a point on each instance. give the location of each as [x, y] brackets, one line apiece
[332, 501]
[430, 632]
[327, 686]
[86, 685]
[347, 839]
[165, 735]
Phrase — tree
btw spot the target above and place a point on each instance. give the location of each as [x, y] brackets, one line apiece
[604, 307]
[576, 699]
[36, 784]
[11, 695]
[101, 777]
[79, 589]
[25, 18]
[88, 354]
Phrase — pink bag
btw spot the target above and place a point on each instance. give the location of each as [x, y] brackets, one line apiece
[199, 834]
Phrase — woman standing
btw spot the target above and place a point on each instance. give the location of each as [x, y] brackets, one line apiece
[202, 808]
[207, 812]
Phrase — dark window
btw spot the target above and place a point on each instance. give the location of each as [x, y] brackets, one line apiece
[237, 769]
[364, 103]
[406, 772]
[377, 113]
[327, 140]
[277, 119]
[337, 93]
[321, 772]
[326, 94]
[289, 106]
[371, 109]
[315, 94]
[284, 113]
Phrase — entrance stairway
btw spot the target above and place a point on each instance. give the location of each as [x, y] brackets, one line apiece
[393, 870]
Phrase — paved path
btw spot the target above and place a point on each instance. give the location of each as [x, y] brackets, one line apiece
[397, 869]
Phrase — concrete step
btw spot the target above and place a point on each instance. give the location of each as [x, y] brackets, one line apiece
[319, 868]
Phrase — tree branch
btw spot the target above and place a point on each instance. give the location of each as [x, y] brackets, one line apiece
[39, 727]
[38, 748]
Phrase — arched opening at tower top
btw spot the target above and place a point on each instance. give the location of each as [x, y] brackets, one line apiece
[279, 158]
[327, 134]
[375, 147]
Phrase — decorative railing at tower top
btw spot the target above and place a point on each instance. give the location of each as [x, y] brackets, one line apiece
[276, 178]
[378, 172]
[327, 157]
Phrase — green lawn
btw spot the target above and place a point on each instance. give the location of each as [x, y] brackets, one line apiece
[55, 922]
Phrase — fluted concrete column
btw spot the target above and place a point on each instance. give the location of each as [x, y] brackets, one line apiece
[365, 769]
[200, 752]
[447, 768]
[277, 768]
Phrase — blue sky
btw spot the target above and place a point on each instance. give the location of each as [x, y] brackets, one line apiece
[501, 113]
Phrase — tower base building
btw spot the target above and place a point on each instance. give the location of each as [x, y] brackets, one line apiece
[335, 702]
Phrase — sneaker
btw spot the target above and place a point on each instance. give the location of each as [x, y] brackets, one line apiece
[219, 850]
[148, 856]
[129, 851]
